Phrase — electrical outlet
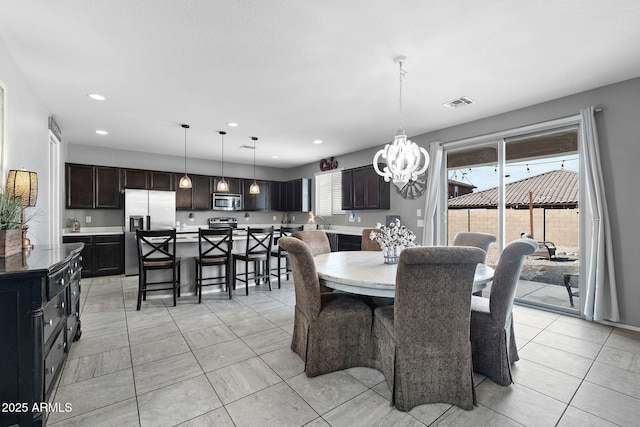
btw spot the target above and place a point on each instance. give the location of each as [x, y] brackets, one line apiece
[419, 213]
[87, 219]
[274, 217]
[359, 219]
[293, 217]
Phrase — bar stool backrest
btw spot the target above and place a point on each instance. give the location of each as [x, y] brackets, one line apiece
[259, 240]
[215, 243]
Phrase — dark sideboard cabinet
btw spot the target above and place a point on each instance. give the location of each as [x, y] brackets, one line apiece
[40, 317]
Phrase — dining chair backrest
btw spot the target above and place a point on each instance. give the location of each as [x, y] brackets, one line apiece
[259, 240]
[215, 242]
[305, 276]
[316, 240]
[368, 244]
[475, 239]
[505, 278]
[433, 295]
[287, 231]
[156, 245]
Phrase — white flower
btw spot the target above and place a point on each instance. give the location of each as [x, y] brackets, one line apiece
[393, 236]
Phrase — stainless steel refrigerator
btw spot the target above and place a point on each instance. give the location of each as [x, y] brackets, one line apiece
[145, 210]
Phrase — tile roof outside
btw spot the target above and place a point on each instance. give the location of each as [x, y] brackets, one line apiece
[557, 188]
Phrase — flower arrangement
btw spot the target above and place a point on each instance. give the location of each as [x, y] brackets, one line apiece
[393, 239]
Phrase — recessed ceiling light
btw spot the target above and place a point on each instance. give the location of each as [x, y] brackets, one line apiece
[96, 96]
[317, 141]
[102, 132]
[274, 157]
[232, 124]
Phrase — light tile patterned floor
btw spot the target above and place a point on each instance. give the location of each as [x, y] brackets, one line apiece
[228, 363]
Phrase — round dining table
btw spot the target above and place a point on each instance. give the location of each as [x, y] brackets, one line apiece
[365, 273]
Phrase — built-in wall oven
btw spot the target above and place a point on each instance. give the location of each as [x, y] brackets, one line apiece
[226, 202]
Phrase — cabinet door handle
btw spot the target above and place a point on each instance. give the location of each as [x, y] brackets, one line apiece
[61, 304]
[62, 282]
[53, 369]
[50, 322]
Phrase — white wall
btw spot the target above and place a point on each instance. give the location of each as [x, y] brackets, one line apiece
[26, 139]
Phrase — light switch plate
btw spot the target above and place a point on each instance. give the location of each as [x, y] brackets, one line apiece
[87, 219]
[419, 213]
[421, 223]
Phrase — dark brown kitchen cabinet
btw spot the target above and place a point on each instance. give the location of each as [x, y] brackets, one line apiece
[102, 255]
[277, 196]
[346, 242]
[107, 187]
[363, 188]
[80, 186]
[198, 197]
[134, 178]
[89, 187]
[296, 195]
[161, 181]
[201, 192]
[255, 202]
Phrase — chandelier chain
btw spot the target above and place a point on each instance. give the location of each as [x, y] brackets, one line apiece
[400, 78]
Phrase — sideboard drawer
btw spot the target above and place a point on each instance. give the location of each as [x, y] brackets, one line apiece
[54, 312]
[54, 360]
[57, 282]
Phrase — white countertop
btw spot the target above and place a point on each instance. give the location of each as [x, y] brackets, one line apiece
[92, 231]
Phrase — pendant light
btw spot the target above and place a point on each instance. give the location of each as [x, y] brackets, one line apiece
[254, 189]
[223, 185]
[185, 181]
[405, 159]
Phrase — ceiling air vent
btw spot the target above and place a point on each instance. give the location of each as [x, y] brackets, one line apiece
[463, 101]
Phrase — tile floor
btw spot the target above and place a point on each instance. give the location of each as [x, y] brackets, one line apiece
[228, 363]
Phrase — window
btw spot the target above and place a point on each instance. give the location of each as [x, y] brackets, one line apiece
[329, 193]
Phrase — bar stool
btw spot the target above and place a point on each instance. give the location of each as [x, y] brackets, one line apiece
[157, 251]
[280, 253]
[257, 251]
[214, 250]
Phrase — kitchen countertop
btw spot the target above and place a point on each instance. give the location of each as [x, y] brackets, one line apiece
[335, 229]
[92, 231]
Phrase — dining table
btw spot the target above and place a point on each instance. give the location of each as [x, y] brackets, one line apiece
[365, 273]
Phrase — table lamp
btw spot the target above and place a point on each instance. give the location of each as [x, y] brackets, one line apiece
[24, 184]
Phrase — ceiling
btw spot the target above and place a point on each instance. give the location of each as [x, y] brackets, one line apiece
[292, 71]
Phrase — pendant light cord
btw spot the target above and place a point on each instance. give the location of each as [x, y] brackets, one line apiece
[222, 134]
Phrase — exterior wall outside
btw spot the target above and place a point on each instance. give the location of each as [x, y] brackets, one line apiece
[560, 227]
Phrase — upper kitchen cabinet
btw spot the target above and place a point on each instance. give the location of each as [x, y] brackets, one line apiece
[196, 198]
[107, 187]
[363, 188]
[277, 197]
[255, 202]
[160, 181]
[89, 187]
[80, 186]
[134, 178]
[201, 192]
[233, 183]
[297, 195]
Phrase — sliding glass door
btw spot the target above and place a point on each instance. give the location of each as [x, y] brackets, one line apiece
[523, 184]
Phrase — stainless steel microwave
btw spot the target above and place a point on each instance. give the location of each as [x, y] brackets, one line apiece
[226, 202]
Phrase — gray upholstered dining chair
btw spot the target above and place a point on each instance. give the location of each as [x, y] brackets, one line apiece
[316, 240]
[318, 243]
[492, 336]
[367, 244]
[331, 331]
[475, 239]
[421, 344]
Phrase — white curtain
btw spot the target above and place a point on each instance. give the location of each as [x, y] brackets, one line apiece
[601, 299]
[430, 231]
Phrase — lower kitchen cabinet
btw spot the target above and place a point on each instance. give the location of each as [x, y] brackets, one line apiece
[347, 242]
[103, 255]
[40, 317]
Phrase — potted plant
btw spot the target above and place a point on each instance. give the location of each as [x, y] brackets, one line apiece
[10, 224]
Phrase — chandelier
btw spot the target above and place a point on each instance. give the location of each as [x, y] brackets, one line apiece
[405, 160]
